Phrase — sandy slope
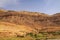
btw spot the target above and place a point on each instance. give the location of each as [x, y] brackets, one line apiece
[19, 29]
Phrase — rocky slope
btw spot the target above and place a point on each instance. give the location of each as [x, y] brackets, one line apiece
[25, 21]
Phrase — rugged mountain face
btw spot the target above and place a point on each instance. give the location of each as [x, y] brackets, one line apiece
[31, 21]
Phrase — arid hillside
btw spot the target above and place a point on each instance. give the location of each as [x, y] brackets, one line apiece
[17, 21]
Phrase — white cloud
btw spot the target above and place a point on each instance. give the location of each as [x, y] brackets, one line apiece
[8, 2]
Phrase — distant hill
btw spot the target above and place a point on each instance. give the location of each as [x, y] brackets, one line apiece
[29, 21]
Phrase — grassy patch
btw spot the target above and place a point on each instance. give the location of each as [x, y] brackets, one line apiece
[31, 36]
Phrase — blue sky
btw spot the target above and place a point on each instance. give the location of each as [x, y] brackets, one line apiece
[45, 6]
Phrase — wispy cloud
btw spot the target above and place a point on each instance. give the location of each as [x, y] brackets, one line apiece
[4, 3]
[48, 2]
